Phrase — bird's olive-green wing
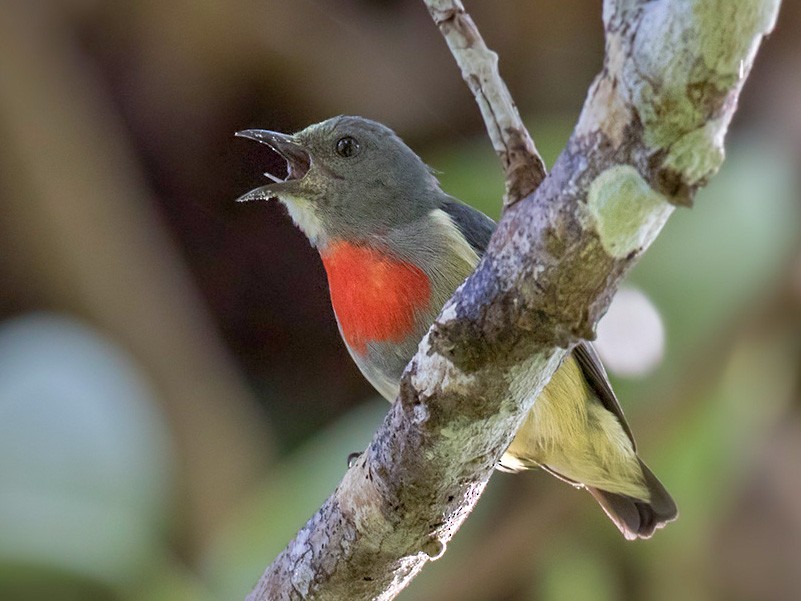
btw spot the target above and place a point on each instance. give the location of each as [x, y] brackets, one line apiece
[596, 377]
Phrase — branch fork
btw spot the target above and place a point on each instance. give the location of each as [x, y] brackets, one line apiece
[650, 133]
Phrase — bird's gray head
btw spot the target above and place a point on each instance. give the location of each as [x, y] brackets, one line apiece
[348, 178]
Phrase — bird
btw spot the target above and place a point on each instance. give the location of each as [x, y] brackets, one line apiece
[395, 247]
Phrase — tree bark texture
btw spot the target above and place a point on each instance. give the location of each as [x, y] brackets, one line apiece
[650, 134]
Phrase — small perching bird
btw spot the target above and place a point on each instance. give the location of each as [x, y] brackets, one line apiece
[395, 247]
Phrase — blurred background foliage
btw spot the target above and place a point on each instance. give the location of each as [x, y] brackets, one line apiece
[174, 398]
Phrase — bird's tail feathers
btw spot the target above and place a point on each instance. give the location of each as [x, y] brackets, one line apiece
[638, 518]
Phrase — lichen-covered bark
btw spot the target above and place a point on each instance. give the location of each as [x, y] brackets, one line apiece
[651, 132]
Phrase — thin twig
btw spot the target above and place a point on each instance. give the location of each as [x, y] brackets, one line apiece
[523, 167]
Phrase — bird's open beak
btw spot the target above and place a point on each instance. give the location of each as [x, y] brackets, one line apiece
[298, 161]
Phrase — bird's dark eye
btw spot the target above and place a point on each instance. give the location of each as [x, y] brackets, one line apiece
[347, 146]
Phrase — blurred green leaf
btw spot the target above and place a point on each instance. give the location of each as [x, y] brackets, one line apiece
[710, 262]
[576, 572]
[171, 581]
[710, 455]
[713, 262]
[84, 456]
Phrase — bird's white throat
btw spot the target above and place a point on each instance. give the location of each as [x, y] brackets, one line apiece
[304, 216]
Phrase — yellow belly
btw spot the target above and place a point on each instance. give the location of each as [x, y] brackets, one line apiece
[569, 431]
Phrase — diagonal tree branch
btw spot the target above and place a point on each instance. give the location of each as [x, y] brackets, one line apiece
[650, 133]
[522, 164]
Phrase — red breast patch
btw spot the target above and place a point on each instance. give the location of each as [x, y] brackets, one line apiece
[375, 296]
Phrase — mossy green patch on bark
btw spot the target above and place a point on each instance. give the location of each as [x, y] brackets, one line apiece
[731, 31]
[626, 212]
